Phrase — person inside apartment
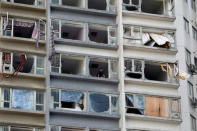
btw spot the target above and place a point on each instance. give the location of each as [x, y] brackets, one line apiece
[100, 73]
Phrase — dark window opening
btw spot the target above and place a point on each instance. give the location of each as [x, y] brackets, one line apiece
[98, 34]
[23, 29]
[72, 65]
[152, 6]
[73, 32]
[134, 75]
[28, 2]
[74, 3]
[28, 65]
[97, 4]
[98, 68]
[133, 6]
[154, 72]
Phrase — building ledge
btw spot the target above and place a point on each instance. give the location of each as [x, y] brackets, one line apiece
[148, 16]
[22, 6]
[83, 10]
[18, 111]
[153, 118]
[19, 39]
[85, 44]
[85, 114]
[151, 49]
[151, 83]
[83, 77]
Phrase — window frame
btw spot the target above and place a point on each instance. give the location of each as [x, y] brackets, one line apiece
[11, 99]
[194, 32]
[193, 122]
[186, 26]
[193, 5]
[188, 57]
[9, 127]
[190, 90]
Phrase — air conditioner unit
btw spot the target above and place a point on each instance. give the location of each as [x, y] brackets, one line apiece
[192, 68]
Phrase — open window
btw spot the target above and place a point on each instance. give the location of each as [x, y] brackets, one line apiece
[73, 65]
[74, 3]
[134, 35]
[28, 2]
[153, 6]
[135, 104]
[153, 71]
[72, 31]
[97, 4]
[98, 67]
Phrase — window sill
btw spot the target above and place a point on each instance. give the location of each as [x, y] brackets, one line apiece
[83, 113]
[83, 10]
[27, 75]
[18, 111]
[85, 44]
[151, 83]
[22, 6]
[148, 16]
[20, 39]
[151, 49]
[83, 77]
[152, 118]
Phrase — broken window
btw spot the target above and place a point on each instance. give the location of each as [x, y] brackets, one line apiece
[133, 68]
[18, 62]
[98, 67]
[97, 4]
[22, 99]
[21, 28]
[135, 104]
[152, 106]
[153, 71]
[29, 2]
[73, 65]
[74, 3]
[160, 7]
[18, 128]
[73, 31]
[134, 35]
[59, 128]
[102, 34]
[72, 100]
[148, 70]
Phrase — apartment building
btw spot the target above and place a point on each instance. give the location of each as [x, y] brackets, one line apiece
[98, 65]
[23, 64]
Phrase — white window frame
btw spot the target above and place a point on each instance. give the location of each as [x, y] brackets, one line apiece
[23, 127]
[186, 26]
[193, 122]
[194, 32]
[193, 5]
[190, 90]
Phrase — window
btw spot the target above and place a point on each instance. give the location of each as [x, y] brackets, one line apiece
[162, 7]
[186, 25]
[193, 5]
[135, 35]
[21, 28]
[195, 62]
[24, 63]
[29, 2]
[78, 65]
[96, 33]
[194, 33]
[152, 106]
[193, 123]
[22, 99]
[59, 128]
[18, 128]
[191, 89]
[188, 57]
[148, 70]
[75, 100]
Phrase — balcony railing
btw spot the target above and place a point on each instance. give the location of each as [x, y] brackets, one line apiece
[144, 36]
[159, 7]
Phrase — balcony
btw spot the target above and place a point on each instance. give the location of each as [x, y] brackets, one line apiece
[87, 102]
[93, 5]
[23, 29]
[87, 67]
[84, 34]
[150, 7]
[35, 3]
[150, 71]
[153, 106]
[149, 37]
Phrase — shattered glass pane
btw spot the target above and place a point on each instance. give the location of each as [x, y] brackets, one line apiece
[140, 101]
[23, 99]
[99, 103]
[115, 104]
[129, 100]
